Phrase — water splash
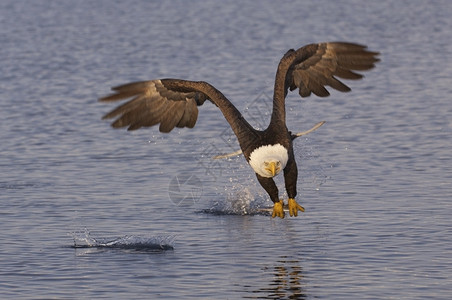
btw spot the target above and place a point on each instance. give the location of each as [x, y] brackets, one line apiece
[83, 239]
[240, 201]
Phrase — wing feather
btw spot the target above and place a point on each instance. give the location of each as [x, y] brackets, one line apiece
[315, 66]
[171, 116]
[128, 106]
[153, 104]
[188, 119]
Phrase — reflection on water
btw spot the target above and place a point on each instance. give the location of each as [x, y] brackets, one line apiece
[286, 281]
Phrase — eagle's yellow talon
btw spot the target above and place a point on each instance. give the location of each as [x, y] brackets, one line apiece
[278, 210]
[294, 207]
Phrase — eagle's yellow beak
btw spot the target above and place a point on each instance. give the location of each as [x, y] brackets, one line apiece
[271, 168]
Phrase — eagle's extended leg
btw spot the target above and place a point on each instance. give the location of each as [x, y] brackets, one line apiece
[290, 179]
[269, 185]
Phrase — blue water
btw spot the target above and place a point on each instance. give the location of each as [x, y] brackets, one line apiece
[90, 212]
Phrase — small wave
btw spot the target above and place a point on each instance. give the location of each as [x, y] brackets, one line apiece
[18, 185]
[83, 239]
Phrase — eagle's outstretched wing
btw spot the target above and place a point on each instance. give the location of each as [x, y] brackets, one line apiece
[314, 66]
[170, 103]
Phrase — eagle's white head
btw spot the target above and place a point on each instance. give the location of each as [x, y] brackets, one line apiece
[269, 160]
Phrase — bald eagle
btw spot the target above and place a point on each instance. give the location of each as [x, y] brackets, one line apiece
[174, 103]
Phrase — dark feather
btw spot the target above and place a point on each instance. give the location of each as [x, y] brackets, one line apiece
[188, 119]
[346, 74]
[315, 66]
[153, 104]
